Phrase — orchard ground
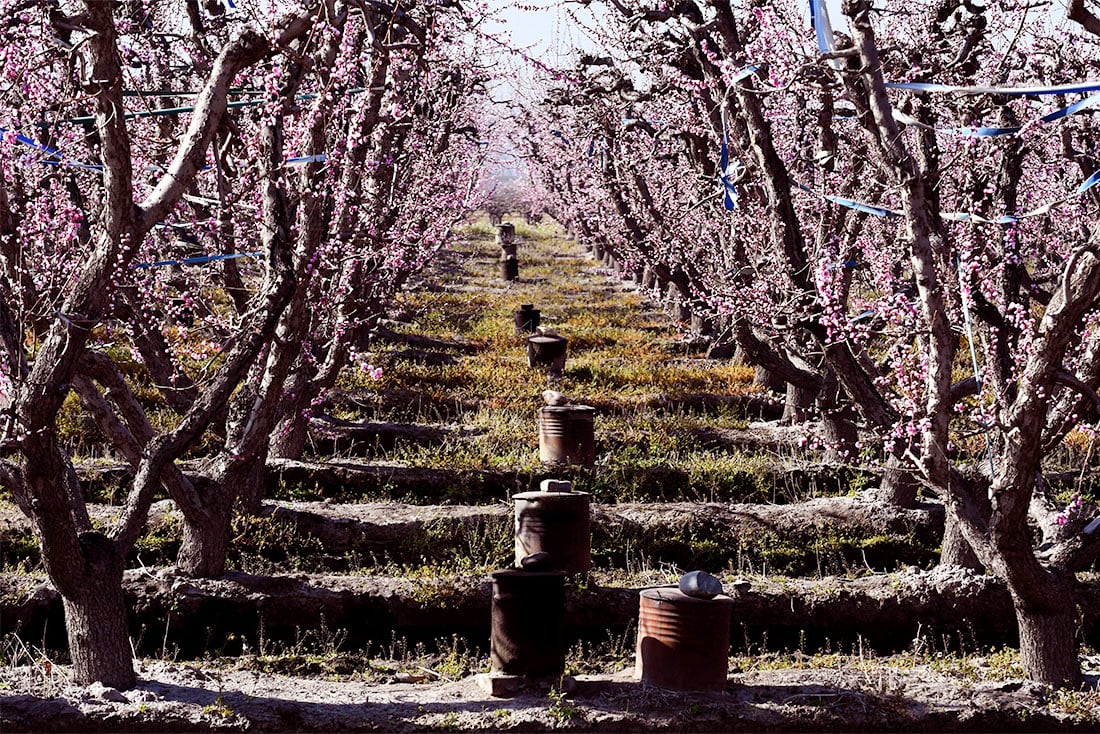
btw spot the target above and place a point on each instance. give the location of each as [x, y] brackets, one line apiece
[452, 436]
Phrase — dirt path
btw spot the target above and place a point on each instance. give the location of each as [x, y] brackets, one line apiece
[852, 696]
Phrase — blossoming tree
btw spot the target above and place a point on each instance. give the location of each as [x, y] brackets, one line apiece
[928, 251]
[140, 140]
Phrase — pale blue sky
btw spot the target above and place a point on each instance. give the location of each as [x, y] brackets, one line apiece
[548, 31]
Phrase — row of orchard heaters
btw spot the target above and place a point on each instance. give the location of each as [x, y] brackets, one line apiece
[566, 431]
[683, 631]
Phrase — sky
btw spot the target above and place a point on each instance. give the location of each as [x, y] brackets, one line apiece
[548, 30]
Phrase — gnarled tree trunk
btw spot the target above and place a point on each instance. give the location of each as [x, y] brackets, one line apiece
[96, 618]
[799, 405]
[899, 485]
[206, 530]
[956, 550]
[1048, 632]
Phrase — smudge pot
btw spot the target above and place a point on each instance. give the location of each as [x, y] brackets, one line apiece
[683, 642]
[557, 523]
[546, 351]
[527, 319]
[528, 623]
[567, 435]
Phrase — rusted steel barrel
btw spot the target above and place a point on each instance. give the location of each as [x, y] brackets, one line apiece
[567, 435]
[527, 319]
[509, 269]
[556, 523]
[683, 642]
[528, 615]
[547, 351]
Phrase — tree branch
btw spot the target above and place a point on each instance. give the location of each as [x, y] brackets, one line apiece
[1077, 12]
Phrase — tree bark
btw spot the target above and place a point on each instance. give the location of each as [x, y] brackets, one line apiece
[956, 550]
[899, 486]
[96, 618]
[1048, 634]
[839, 421]
[676, 303]
[767, 379]
[840, 435]
[205, 537]
[799, 406]
[249, 480]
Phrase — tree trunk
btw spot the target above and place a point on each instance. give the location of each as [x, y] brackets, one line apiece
[898, 486]
[288, 441]
[1048, 635]
[799, 405]
[205, 537]
[676, 303]
[768, 380]
[96, 619]
[956, 550]
[722, 347]
[841, 436]
[839, 421]
[204, 545]
[702, 324]
[250, 485]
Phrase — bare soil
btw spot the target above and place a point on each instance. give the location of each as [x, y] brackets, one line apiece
[854, 695]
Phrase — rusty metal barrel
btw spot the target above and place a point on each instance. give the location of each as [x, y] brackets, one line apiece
[683, 642]
[509, 269]
[528, 615]
[527, 319]
[547, 351]
[567, 435]
[556, 523]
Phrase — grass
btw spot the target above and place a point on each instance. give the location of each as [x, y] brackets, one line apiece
[322, 655]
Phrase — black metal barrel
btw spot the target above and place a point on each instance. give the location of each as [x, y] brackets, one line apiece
[567, 435]
[509, 269]
[528, 614]
[547, 351]
[527, 319]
